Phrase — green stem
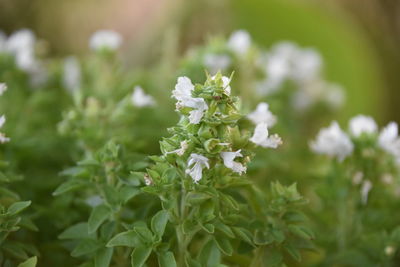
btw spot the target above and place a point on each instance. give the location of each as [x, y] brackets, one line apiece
[257, 260]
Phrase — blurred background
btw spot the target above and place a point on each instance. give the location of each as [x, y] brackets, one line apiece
[359, 42]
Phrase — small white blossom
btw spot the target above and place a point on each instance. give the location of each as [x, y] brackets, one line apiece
[365, 188]
[390, 250]
[287, 61]
[3, 138]
[357, 178]
[3, 88]
[362, 124]
[72, 74]
[94, 201]
[21, 40]
[228, 158]
[180, 151]
[141, 99]
[216, 62]
[196, 163]
[307, 64]
[315, 91]
[387, 178]
[262, 114]
[332, 141]
[105, 39]
[334, 95]
[389, 140]
[147, 179]
[225, 83]
[261, 138]
[21, 44]
[239, 42]
[183, 93]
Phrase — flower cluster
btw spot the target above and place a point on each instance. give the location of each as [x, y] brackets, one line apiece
[288, 62]
[208, 135]
[105, 40]
[363, 143]
[333, 141]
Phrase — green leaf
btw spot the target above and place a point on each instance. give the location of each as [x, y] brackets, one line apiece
[15, 249]
[194, 198]
[294, 252]
[225, 229]
[139, 256]
[278, 235]
[224, 245]
[70, 185]
[158, 222]
[243, 234]
[301, 231]
[112, 196]
[31, 262]
[97, 217]
[272, 257]
[127, 192]
[294, 217]
[210, 254]
[75, 172]
[144, 234]
[77, 231]
[103, 257]
[125, 239]
[262, 238]
[86, 246]
[17, 207]
[209, 228]
[166, 259]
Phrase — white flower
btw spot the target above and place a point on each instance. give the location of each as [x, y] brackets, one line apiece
[306, 65]
[72, 74]
[365, 188]
[21, 44]
[362, 124]
[287, 61]
[141, 99]
[389, 140]
[239, 42]
[357, 178]
[147, 179]
[229, 162]
[334, 95]
[262, 114]
[225, 83]
[94, 201]
[105, 39]
[183, 93]
[180, 151]
[3, 138]
[3, 88]
[183, 89]
[332, 141]
[21, 40]
[261, 138]
[198, 162]
[216, 62]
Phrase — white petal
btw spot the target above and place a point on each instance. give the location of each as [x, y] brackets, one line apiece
[105, 39]
[362, 124]
[262, 114]
[141, 99]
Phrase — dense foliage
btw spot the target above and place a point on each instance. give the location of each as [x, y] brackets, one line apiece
[97, 169]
